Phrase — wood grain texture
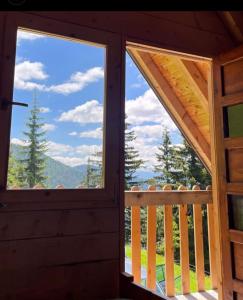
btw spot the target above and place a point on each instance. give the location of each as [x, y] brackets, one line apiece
[230, 63]
[57, 244]
[198, 244]
[38, 224]
[212, 246]
[75, 281]
[151, 244]
[136, 241]
[165, 86]
[162, 32]
[235, 165]
[184, 247]
[238, 260]
[169, 248]
[144, 198]
[232, 75]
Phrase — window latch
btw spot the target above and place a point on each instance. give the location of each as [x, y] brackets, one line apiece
[6, 103]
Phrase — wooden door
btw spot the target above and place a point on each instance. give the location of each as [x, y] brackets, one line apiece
[227, 161]
[59, 243]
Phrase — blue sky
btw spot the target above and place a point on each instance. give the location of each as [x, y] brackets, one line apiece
[68, 79]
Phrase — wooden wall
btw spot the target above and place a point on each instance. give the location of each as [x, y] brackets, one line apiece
[61, 244]
[201, 33]
[71, 252]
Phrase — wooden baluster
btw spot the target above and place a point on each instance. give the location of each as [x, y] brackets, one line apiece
[136, 240]
[198, 241]
[151, 244]
[184, 246]
[211, 243]
[38, 186]
[169, 248]
[60, 186]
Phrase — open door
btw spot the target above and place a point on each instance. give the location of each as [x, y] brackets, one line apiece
[227, 162]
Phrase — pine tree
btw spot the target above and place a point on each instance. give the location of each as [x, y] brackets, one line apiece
[34, 161]
[167, 157]
[16, 176]
[132, 164]
[94, 174]
[192, 169]
[132, 160]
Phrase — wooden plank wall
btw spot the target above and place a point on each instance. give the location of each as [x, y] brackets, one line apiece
[62, 253]
[170, 30]
[59, 254]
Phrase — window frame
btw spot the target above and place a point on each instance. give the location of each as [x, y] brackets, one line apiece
[113, 113]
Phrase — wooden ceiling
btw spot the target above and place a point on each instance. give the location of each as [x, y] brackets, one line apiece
[181, 84]
[182, 87]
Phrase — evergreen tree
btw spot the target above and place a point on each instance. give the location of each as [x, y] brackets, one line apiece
[34, 161]
[132, 164]
[132, 160]
[16, 176]
[94, 174]
[167, 157]
[192, 169]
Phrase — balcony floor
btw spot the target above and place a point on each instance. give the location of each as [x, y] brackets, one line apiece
[208, 295]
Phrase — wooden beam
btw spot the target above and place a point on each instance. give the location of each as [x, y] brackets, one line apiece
[145, 198]
[212, 247]
[151, 245]
[169, 249]
[198, 83]
[155, 50]
[136, 241]
[173, 104]
[184, 247]
[232, 20]
[198, 242]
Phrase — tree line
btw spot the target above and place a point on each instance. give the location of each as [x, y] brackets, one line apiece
[175, 165]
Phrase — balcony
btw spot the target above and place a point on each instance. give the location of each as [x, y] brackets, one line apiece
[195, 202]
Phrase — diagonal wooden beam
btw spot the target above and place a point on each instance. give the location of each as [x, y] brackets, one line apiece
[233, 21]
[173, 104]
[198, 83]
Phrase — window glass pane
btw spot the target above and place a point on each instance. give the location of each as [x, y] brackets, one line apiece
[236, 212]
[57, 141]
[235, 120]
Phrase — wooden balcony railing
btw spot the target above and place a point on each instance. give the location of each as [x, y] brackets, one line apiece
[169, 198]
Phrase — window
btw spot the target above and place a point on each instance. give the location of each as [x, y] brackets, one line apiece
[57, 141]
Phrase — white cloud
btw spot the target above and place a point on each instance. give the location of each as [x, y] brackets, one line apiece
[49, 127]
[146, 152]
[19, 142]
[25, 72]
[73, 133]
[148, 108]
[69, 155]
[148, 132]
[44, 110]
[70, 161]
[78, 81]
[89, 112]
[87, 150]
[25, 35]
[136, 85]
[55, 149]
[95, 134]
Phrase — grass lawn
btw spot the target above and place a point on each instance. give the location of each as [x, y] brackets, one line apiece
[177, 271]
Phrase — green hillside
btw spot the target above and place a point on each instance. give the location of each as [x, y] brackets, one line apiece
[57, 172]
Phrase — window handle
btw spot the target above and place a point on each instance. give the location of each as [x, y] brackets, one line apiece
[6, 103]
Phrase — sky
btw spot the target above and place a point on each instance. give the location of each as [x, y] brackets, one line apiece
[67, 78]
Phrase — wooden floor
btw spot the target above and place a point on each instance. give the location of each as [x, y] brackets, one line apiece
[208, 295]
